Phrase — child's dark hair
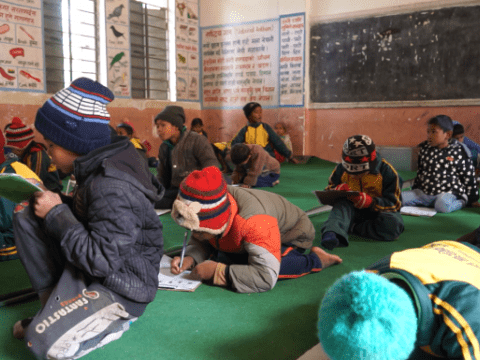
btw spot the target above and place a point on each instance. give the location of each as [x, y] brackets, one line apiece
[127, 128]
[444, 121]
[239, 153]
[196, 122]
[458, 129]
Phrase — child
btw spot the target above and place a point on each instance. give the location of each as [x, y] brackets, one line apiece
[472, 148]
[424, 300]
[181, 152]
[94, 263]
[8, 251]
[281, 131]
[197, 126]
[254, 166]
[126, 129]
[445, 177]
[33, 154]
[254, 236]
[374, 212]
[260, 133]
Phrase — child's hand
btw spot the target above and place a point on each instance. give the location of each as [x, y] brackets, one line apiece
[45, 201]
[205, 271]
[361, 201]
[36, 182]
[342, 187]
[245, 186]
[188, 263]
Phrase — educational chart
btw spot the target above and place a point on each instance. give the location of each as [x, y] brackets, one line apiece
[186, 34]
[21, 46]
[118, 47]
[292, 53]
[240, 64]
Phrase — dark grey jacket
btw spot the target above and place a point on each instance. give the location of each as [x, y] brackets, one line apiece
[192, 152]
[112, 232]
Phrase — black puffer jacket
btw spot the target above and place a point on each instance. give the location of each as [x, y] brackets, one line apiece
[113, 233]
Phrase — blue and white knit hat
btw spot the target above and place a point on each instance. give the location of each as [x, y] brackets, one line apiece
[76, 118]
[365, 316]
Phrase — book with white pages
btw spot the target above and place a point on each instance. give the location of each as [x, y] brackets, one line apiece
[417, 211]
[169, 281]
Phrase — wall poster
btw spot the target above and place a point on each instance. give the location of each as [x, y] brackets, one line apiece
[187, 39]
[118, 47]
[240, 64]
[21, 46]
[292, 60]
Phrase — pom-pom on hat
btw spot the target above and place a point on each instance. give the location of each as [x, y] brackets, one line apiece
[18, 135]
[202, 203]
[248, 109]
[76, 118]
[359, 154]
[365, 316]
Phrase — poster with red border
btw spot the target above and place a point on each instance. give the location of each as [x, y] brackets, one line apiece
[21, 46]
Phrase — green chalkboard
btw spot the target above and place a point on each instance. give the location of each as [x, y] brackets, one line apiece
[424, 55]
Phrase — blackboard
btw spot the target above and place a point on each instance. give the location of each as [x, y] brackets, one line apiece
[424, 55]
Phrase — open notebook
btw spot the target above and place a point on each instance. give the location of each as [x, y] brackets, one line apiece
[16, 188]
[417, 211]
[169, 281]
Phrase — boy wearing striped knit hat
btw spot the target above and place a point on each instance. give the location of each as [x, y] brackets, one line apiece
[243, 239]
[33, 154]
[94, 258]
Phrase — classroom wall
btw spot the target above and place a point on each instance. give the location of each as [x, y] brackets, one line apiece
[139, 112]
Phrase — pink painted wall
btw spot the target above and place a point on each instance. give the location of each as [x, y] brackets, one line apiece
[142, 120]
[327, 130]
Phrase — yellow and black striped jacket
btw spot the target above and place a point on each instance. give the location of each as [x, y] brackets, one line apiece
[444, 278]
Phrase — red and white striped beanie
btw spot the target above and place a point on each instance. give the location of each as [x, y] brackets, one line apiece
[18, 135]
[202, 203]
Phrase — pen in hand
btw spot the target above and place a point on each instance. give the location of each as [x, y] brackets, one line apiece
[183, 249]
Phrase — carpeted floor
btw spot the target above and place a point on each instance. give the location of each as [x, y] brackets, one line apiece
[213, 323]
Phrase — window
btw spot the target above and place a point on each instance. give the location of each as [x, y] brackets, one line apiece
[149, 51]
[75, 45]
[70, 46]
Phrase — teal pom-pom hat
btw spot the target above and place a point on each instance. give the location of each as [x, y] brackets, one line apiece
[365, 316]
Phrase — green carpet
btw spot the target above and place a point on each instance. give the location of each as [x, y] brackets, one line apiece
[213, 323]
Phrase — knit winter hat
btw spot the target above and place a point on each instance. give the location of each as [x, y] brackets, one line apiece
[444, 121]
[359, 154]
[248, 109]
[76, 118]
[365, 316]
[18, 135]
[174, 115]
[127, 125]
[202, 203]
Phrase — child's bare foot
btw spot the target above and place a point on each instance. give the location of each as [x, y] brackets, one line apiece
[326, 258]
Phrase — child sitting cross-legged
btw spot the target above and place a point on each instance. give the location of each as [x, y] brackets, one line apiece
[92, 259]
[445, 177]
[371, 213]
[243, 239]
[254, 166]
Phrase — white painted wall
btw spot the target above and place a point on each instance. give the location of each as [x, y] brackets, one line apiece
[223, 12]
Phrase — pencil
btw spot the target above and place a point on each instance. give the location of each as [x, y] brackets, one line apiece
[183, 248]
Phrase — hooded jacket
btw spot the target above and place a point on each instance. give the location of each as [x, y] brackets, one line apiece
[112, 232]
